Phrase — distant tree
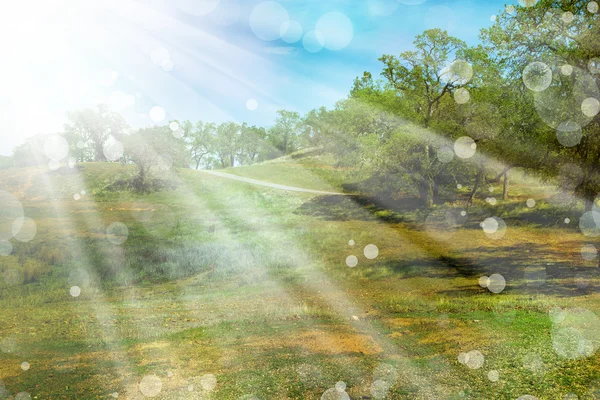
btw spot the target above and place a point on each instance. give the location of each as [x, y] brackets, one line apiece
[253, 146]
[200, 138]
[226, 143]
[212, 162]
[91, 128]
[154, 150]
[285, 135]
[317, 132]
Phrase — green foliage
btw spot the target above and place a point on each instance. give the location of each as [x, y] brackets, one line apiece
[253, 145]
[200, 140]
[91, 128]
[226, 143]
[533, 120]
[286, 135]
[155, 151]
[423, 76]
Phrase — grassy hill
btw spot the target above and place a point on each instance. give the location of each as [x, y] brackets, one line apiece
[309, 169]
[221, 289]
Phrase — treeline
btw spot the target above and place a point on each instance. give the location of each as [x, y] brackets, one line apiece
[441, 116]
[97, 134]
[230, 144]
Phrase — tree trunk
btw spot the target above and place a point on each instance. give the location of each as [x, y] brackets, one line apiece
[424, 192]
[425, 184]
[141, 184]
[589, 196]
[428, 115]
[198, 163]
[429, 194]
[475, 187]
[99, 152]
[505, 187]
[436, 192]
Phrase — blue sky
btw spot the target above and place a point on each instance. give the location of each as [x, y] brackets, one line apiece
[202, 59]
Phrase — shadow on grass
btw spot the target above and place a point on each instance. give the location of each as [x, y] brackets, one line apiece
[335, 208]
[410, 209]
[343, 208]
[542, 215]
[512, 262]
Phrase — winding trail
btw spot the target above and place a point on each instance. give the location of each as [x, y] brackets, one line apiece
[268, 184]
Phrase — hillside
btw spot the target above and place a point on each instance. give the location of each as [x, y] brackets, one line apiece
[310, 169]
[228, 290]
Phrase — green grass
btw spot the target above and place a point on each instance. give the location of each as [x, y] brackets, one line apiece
[307, 169]
[250, 284]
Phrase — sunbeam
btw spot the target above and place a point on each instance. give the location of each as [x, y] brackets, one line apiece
[299, 200]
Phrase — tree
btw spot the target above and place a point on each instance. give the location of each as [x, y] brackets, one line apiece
[317, 128]
[91, 128]
[286, 132]
[252, 144]
[424, 79]
[153, 150]
[226, 143]
[424, 75]
[200, 139]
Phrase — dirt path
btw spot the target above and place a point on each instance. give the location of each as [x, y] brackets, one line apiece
[268, 184]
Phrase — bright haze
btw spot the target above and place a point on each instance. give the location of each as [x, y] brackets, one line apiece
[201, 60]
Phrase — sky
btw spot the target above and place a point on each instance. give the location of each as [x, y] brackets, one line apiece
[211, 60]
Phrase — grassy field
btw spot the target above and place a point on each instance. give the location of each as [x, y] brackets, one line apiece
[225, 290]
